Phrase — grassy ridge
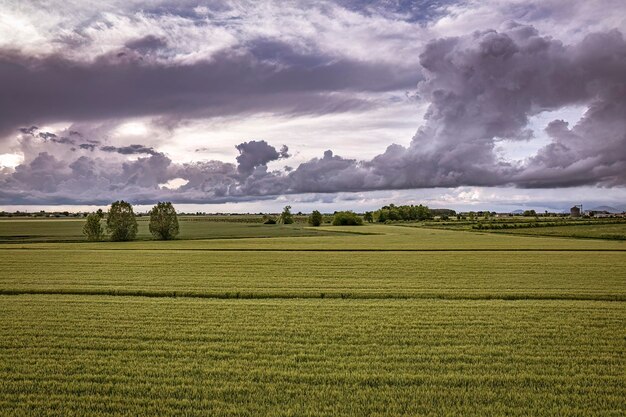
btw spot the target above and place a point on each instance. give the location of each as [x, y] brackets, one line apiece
[592, 275]
[73, 356]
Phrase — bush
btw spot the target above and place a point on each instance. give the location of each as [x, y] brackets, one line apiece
[315, 219]
[347, 218]
[93, 229]
[270, 221]
[163, 221]
[121, 222]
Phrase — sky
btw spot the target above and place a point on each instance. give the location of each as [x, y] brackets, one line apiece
[247, 106]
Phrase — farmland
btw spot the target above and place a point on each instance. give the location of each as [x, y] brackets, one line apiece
[586, 231]
[372, 320]
[70, 230]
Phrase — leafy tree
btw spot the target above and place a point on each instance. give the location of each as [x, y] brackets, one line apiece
[163, 221]
[93, 229]
[286, 217]
[406, 213]
[347, 218]
[368, 217]
[315, 219]
[121, 222]
[529, 213]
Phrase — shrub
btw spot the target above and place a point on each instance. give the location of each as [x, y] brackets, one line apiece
[347, 218]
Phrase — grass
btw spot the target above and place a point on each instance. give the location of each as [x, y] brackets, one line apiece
[74, 355]
[70, 230]
[595, 231]
[377, 320]
[310, 274]
[609, 229]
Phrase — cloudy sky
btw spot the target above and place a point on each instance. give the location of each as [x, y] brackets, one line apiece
[251, 105]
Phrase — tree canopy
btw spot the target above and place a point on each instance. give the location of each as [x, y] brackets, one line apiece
[286, 217]
[347, 218]
[121, 222]
[93, 229]
[163, 221]
[315, 219]
[406, 213]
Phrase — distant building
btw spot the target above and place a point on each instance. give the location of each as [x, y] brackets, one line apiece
[599, 213]
[574, 211]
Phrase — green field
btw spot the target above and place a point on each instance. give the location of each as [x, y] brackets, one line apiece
[70, 230]
[372, 320]
[598, 231]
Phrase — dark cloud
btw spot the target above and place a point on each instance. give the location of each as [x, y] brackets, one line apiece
[129, 150]
[240, 80]
[255, 154]
[33, 132]
[147, 43]
[482, 89]
[88, 146]
[28, 130]
[409, 10]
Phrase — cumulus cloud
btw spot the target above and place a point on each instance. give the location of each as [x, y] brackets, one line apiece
[255, 154]
[482, 89]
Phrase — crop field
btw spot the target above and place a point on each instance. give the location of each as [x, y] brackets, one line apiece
[353, 321]
[70, 230]
[599, 231]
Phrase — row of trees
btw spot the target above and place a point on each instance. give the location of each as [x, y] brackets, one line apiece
[406, 213]
[340, 218]
[384, 214]
[121, 224]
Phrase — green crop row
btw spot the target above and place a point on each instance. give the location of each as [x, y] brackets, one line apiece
[249, 274]
[76, 356]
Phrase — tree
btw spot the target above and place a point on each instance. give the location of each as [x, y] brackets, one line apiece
[315, 219]
[93, 229]
[369, 217]
[163, 221]
[121, 222]
[347, 218]
[529, 213]
[286, 217]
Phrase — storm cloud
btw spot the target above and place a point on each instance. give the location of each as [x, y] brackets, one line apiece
[128, 83]
[481, 89]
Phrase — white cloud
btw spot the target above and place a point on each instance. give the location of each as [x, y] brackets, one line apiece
[10, 160]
